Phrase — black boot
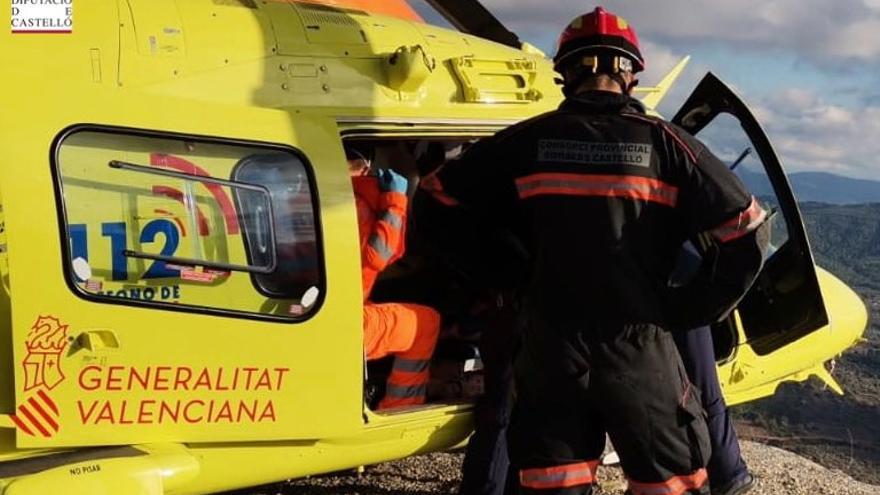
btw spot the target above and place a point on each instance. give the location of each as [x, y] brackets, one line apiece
[738, 486]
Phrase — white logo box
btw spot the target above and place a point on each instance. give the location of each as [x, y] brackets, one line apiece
[42, 16]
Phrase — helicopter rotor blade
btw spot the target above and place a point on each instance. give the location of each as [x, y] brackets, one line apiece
[470, 16]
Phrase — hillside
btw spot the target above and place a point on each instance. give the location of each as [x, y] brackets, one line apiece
[819, 187]
[846, 240]
[830, 188]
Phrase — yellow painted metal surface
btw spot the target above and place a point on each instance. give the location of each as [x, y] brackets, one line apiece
[318, 359]
[219, 401]
[749, 376]
[654, 95]
[162, 470]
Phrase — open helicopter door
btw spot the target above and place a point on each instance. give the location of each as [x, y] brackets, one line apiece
[785, 302]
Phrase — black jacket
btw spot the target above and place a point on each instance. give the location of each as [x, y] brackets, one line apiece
[603, 197]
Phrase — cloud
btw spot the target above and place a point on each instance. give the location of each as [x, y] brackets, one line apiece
[661, 59]
[798, 98]
[808, 134]
[859, 40]
[821, 31]
[811, 134]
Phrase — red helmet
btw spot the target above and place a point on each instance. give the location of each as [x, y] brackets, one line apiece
[599, 32]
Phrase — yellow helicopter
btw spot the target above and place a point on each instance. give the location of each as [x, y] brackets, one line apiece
[180, 307]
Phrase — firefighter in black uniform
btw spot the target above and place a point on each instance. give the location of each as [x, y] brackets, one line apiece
[603, 196]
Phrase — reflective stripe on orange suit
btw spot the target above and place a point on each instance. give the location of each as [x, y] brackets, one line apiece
[407, 331]
[381, 225]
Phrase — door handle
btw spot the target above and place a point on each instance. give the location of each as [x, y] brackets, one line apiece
[93, 340]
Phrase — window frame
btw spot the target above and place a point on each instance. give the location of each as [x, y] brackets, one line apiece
[61, 210]
[233, 185]
[258, 285]
[808, 312]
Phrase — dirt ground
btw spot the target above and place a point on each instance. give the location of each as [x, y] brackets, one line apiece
[778, 472]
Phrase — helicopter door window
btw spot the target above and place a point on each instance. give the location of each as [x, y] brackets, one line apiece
[189, 223]
[785, 303]
[726, 138]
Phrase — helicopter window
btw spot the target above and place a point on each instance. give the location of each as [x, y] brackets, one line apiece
[261, 258]
[295, 238]
[189, 223]
[726, 138]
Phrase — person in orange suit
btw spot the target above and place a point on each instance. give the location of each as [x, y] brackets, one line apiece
[407, 331]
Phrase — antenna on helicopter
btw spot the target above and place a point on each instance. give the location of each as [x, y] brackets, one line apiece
[742, 156]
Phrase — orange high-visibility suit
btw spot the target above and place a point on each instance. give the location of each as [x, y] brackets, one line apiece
[408, 331]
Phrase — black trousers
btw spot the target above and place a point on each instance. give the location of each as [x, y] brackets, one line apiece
[628, 381]
[486, 464]
[698, 355]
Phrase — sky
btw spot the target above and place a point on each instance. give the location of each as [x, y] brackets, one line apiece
[809, 69]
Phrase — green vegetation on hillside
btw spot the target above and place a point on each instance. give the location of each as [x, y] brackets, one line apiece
[846, 241]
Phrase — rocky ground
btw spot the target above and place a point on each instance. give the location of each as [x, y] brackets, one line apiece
[778, 472]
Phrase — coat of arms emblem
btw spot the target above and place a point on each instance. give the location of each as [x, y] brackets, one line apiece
[45, 343]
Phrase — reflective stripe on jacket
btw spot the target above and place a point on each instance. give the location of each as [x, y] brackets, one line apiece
[381, 221]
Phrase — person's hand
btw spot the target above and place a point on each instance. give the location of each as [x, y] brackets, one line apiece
[391, 181]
